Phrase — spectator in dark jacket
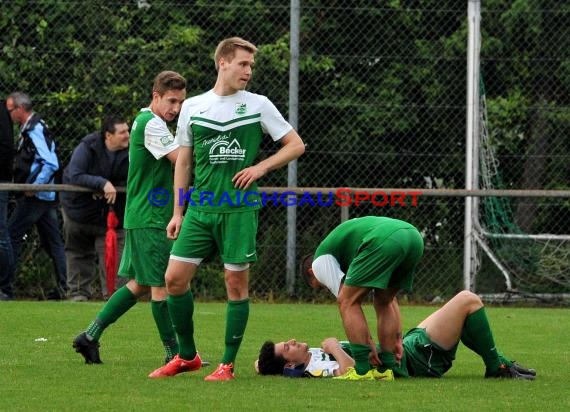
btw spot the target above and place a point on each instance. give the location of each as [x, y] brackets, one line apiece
[100, 162]
[6, 160]
[35, 163]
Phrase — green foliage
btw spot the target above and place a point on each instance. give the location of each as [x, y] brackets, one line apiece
[507, 121]
[381, 85]
[80, 66]
[208, 284]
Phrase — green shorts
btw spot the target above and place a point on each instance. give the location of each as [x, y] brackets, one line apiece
[387, 261]
[423, 357]
[145, 256]
[232, 235]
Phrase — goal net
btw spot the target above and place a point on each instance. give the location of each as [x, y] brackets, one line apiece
[532, 265]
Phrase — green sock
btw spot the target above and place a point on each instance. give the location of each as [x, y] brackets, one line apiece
[477, 336]
[164, 326]
[181, 309]
[117, 305]
[237, 315]
[388, 359]
[360, 355]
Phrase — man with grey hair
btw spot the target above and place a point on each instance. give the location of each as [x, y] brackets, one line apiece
[36, 162]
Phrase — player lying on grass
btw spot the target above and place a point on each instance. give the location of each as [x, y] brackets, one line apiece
[295, 359]
[428, 349]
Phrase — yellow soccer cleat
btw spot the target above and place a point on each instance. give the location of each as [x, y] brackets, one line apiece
[351, 375]
[387, 375]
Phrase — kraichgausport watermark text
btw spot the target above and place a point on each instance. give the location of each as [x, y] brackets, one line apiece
[160, 197]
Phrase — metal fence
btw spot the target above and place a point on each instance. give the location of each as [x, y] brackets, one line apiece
[382, 103]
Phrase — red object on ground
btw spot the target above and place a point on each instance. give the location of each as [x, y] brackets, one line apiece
[111, 252]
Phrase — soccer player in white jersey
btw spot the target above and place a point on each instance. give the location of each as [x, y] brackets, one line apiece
[296, 359]
[219, 133]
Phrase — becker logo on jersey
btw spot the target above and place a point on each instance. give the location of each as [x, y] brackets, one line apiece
[224, 151]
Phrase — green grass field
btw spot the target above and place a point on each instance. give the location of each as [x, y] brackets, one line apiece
[47, 375]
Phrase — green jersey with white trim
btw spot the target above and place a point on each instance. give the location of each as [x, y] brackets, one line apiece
[150, 181]
[225, 133]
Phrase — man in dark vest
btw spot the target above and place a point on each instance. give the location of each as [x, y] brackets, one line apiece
[99, 162]
[36, 162]
[6, 159]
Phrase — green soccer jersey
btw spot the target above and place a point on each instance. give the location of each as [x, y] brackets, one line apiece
[225, 133]
[150, 181]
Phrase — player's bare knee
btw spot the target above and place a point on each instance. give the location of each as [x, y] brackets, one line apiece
[158, 293]
[169, 279]
[175, 282]
[236, 278]
[384, 297]
[176, 289]
[136, 289]
[236, 288]
[345, 302]
[471, 300]
[342, 304]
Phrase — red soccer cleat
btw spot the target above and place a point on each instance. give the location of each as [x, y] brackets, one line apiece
[224, 372]
[177, 365]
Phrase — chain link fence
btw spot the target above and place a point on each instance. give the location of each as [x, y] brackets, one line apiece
[382, 103]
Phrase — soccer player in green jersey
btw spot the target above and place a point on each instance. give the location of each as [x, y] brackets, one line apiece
[220, 132]
[429, 349]
[364, 254]
[152, 152]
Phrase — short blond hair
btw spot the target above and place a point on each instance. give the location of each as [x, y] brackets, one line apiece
[227, 49]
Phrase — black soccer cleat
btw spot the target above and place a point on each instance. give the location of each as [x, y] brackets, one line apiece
[88, 349]
[515, 371]
[525, 371]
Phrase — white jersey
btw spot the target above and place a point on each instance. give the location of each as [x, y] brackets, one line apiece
[158, 139]
[225, 134]
[226, 114]
[321, 364]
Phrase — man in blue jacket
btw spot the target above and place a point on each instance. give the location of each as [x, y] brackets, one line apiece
[36, 162]
[100, 162]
